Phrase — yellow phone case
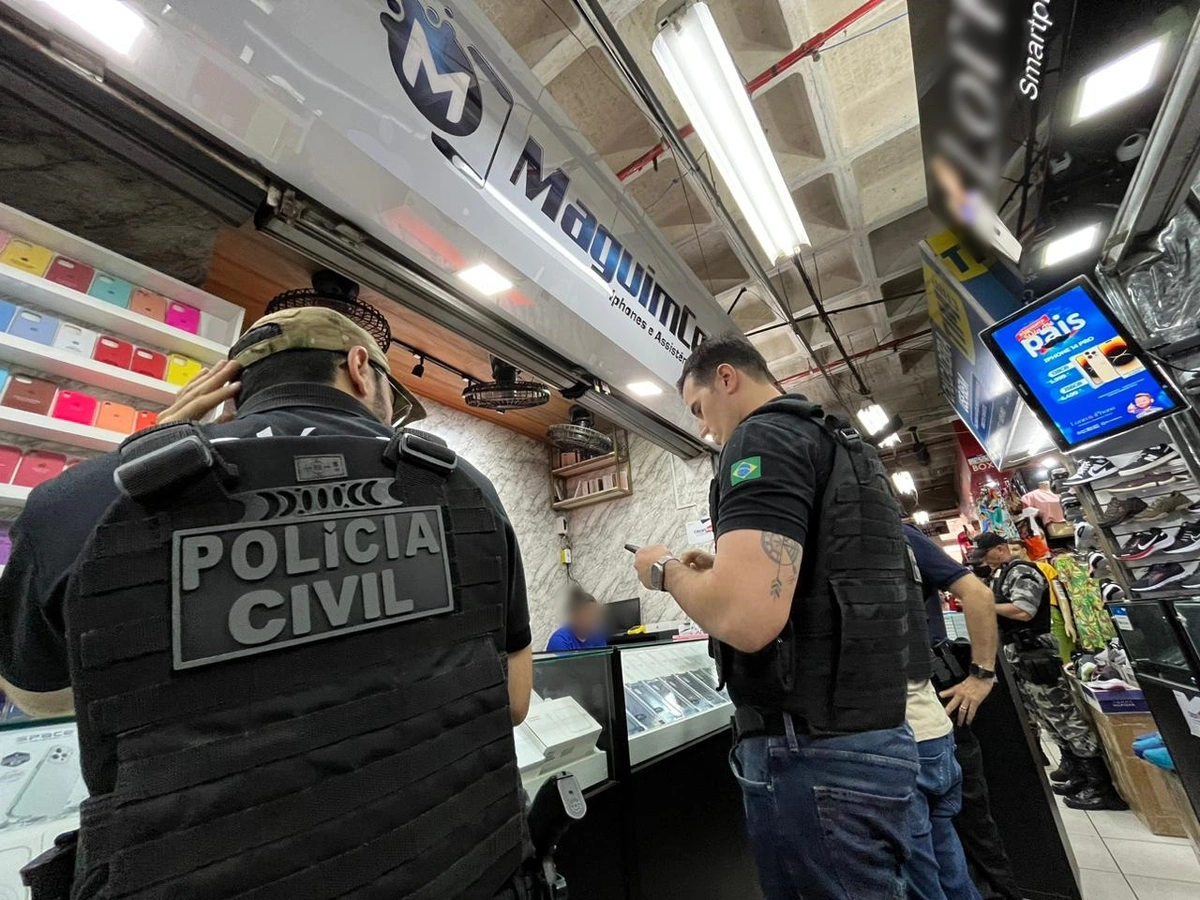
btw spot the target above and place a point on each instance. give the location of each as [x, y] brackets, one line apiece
[27, 257]
[181, 369]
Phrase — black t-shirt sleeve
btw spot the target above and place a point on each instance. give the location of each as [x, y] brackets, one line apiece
[769, 478]
[937, 568]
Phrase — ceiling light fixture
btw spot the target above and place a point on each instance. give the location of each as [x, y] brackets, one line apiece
[110, 21]
[875, 420]
[1117, 81]
[644, 389]
[419, 368]
[485, 279]
[1069, 245]
[920, 517]
[697, 64]
[904, 483]
[1050, 462]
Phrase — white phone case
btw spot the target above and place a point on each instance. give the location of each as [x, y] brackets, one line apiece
[51, 786]
[74, 339]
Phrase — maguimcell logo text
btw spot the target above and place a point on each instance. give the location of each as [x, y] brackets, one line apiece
[433, 67]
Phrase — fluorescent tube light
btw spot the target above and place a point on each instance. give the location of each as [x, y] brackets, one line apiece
[699, 68]
[874, 420]
[1117, 81]
[904, 483]
[1070, 245]
[920, 517]
[644, 389]
[109, 21]
[485, 279]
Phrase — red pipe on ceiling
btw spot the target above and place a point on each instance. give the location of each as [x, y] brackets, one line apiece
[761, 80]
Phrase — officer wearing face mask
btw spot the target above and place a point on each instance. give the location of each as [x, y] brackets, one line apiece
[295, 642]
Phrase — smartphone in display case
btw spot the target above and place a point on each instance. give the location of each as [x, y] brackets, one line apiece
[26, 256]
[702, 687]
[149, 304]
[149, 363]
[72, 406]
[50, 787]
[116, 417]
[33, 395]
[37, 467]
[657, 705]
[34, 326]
[184, 317]
[110, 289]
[76, 339]
[644, 715]
[671, 698]
[68, 273]
[181, 370]
[145, 419]
[113, 351]
[632, 725]
[684, 690]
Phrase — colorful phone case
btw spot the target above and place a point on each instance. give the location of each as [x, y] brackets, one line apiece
[116, 417]
[33, 395]
[3, 379]
[181, 370]
[75, 275]
[148, 362]
[72, 406]
[10, 458]
[149, 304]
[7, 311]
[34, 326]
[113, 351]
[110, 289]
[75, 339]
[38, 466]
[184, 317]
[27, 257]
[145, 419]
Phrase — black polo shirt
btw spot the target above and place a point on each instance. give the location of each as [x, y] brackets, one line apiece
[60, 515]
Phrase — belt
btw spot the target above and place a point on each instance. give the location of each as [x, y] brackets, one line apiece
[751, 722]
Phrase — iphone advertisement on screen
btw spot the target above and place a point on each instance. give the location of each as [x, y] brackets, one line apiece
[1077, 368]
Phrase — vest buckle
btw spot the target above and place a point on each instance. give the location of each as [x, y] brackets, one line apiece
[426, 453]
[169, 464]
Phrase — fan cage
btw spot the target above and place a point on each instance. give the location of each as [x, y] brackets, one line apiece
[507, 395]
[579, 437]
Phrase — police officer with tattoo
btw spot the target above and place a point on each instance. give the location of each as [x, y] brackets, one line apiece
[1023, 610]
[807, 603]
[295, 642]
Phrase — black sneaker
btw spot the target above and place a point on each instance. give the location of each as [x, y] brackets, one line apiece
[1151, 480]
[1150, 458]
[1145, 543]
[1159, 577]
[1191, 583]
[1194, 507]
[1163, 507]
[1188, 538]
[1092, 469]
[1111, 592]
[1118, 510]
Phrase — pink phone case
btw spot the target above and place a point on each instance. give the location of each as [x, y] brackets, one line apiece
[10, 458]
[75, 407]
[184, 317]
[38, 466]
[148, 362]
[69, 273]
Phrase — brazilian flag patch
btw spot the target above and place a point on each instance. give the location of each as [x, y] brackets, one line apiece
[745, 470]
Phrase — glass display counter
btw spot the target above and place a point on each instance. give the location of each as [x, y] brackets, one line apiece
[1152, 644]
[671, 697]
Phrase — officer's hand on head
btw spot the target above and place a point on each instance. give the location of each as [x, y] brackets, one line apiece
[204, 393]
[646, 558]
[700, 560]
[966, 697]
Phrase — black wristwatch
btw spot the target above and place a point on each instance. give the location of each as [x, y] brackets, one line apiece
[978, 671]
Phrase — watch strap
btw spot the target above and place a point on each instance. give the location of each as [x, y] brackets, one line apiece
[661, 566]
[978, 671]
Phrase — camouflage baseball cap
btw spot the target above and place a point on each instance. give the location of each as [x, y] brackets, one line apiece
[319, 328]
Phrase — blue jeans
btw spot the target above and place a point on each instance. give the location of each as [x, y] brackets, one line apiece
[828, 817]
[937, 868]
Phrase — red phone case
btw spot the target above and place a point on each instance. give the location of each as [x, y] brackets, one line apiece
[74, 275]
[149, 304]
[39, 466]
[113, 351]
[30, 394]
[75, 407]
[148, 362]
[116, 417]
[145, 419]
[10, 457]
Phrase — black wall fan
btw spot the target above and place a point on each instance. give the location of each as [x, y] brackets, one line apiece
[505, 392]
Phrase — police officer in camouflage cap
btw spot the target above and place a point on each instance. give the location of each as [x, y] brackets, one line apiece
[1023, 614]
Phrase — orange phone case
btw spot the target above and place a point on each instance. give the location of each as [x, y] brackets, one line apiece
[149, 304]
[116, 417]
[145, 419]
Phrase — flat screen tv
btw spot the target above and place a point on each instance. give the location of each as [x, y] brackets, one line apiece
[1077, 367]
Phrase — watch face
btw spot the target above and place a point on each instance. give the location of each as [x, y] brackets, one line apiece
[656, 576]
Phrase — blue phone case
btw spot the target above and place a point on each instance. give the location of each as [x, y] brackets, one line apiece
[34, 326]
[111, 290]
[7, 311]
[3, 380]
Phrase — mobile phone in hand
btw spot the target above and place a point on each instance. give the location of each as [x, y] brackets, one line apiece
[633, 548]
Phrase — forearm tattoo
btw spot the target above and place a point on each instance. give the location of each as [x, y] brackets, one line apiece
[785, 553]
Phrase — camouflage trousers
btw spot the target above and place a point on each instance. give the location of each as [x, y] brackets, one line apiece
[1050, 707]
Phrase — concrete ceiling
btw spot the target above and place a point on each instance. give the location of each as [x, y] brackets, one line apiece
[843, 127]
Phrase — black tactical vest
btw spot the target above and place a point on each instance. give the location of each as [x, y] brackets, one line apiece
[1010, 629]
[841, 662]
[287, 675]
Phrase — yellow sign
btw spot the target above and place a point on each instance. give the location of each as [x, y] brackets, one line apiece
[956, 256]
[949, 314]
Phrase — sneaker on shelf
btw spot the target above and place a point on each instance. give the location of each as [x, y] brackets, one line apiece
[1085, 537]
[1194, 507]
[1092, 469]
[1111, 592]
[1097, 564]
[1163, 507]
[1151, 480]
[1160, 576]
[1119, 509]
[1150, 458]
[1144, 543]
[1191, 583]
[1187, 538]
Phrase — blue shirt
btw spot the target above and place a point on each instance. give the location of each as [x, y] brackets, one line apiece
[938, 572]
[564, 639]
